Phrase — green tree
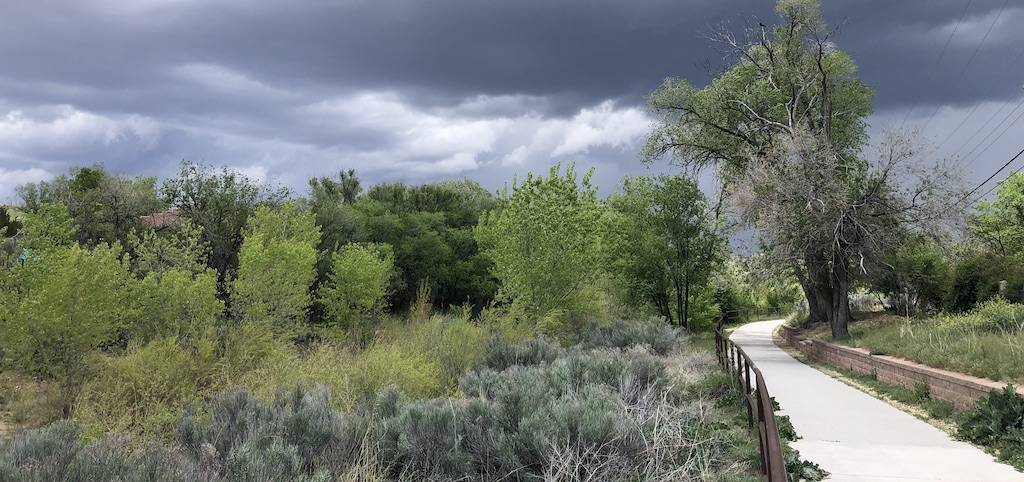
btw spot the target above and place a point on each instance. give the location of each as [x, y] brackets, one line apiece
[180, 248]
[219, 202]
[544, 240]
[176, 302]
[277, 265]
[48, 228]
[1000, 223]
[915, 276]
[429, 228]
[785, 128]
[663, 242]
[357, 284]
[69, 302]
[105, 208]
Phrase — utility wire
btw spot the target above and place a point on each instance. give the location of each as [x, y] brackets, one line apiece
[996, 139]
[938, 60]
[994, 174]
[993, 188]
[971, 60]
[970, 140]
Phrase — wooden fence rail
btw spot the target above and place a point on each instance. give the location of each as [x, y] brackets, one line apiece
[735, 361]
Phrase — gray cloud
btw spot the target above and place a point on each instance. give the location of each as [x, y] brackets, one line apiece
[412, 90]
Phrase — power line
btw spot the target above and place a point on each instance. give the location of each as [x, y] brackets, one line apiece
[971, 60]
[994, 174]
[997, 184]
[938, 60]
[1000, 136]
[985, 124]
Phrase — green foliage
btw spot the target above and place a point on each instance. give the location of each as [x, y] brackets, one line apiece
[500, 354]
[657, 336]
[543, 238]
[357, 285]
[585, 413]
[917, 276]
[70, 301]
[183, 248]
[976, 278]
[983, 342]
[48, 228]
[141, 393]
[105, 207]
[277, 265]
[998, 422]
[177, 303]
[219, 202]
[660, 243]
[1000, 223]
[429, 228]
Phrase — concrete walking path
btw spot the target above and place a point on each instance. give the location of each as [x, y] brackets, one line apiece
[855, 436]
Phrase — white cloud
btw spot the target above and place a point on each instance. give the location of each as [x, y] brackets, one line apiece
[459, 137]
[9, 178]
[603, 125]
[38, 132]
[379, 133]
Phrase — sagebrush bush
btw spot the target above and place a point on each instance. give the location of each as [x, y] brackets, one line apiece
[660, 337]
[534, 411]
[500, 354]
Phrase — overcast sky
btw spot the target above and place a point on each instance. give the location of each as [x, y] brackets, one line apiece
[416, 90]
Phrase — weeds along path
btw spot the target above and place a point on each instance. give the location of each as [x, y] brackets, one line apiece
[855, 436]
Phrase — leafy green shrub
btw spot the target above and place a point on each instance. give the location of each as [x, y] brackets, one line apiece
[381, 365]
[997, 421]
[356, 285]
[976, 279]
[798, 469]
[177, 303]
[454, 344]
[71, 301]
[141, 394]
[276, 267]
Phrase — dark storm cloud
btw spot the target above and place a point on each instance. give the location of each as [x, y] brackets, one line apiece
[412, 89]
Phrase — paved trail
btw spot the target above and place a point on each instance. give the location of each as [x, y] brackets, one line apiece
[855, 436]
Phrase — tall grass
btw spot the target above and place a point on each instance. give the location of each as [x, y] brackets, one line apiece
[986, 342]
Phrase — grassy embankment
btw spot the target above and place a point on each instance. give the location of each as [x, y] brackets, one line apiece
[987, 342]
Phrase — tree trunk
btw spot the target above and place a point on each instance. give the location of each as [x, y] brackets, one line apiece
[679, 302]
[840, 320]
[686, 303]
[819, 291]
[661, 301]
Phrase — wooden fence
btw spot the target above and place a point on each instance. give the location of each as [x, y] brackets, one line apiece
[760, 411]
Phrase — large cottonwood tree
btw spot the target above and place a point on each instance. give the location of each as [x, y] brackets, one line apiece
[789, 114]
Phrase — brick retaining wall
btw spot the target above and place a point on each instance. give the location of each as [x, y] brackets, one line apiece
[962, 390]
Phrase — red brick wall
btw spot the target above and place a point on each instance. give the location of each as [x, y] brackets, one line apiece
[962, 390]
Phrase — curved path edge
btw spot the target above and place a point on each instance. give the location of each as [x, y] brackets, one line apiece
[857, 437]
